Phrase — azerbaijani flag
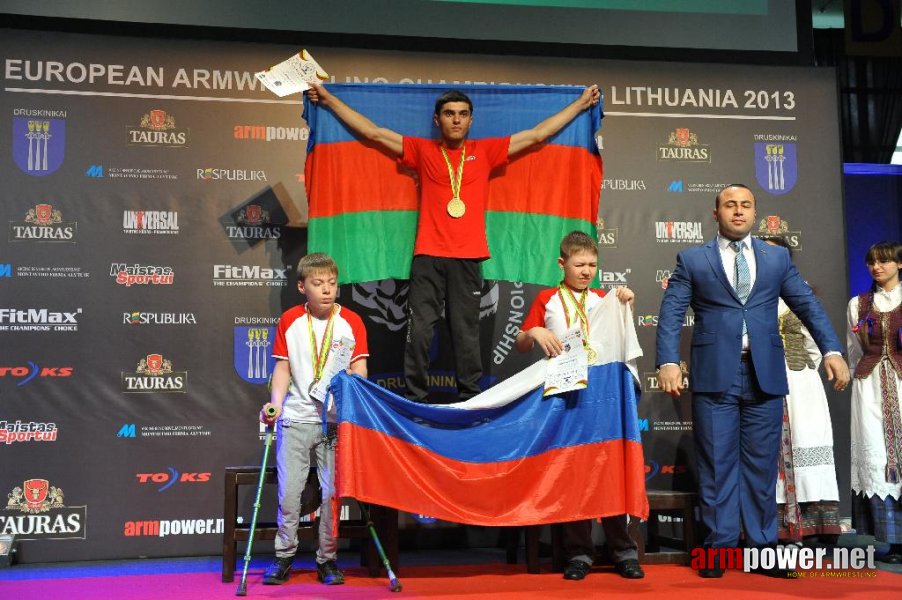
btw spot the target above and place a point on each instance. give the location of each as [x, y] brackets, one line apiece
[509, 456]
[363, 207]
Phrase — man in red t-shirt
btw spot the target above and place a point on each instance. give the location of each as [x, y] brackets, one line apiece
[451, 241]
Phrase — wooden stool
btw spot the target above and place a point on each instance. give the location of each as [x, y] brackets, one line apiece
[679, 503]
[384, 519]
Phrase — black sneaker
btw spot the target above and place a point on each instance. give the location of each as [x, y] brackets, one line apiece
[277, 573]
[329, 573]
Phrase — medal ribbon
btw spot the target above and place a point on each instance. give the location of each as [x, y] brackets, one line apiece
[455, 181]
[579, 308]
[320, 356]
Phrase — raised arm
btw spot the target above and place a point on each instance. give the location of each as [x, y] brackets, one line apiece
[550, 126]
[359, 124]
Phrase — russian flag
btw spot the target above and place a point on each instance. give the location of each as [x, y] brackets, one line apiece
[508, 456]
[363, 207]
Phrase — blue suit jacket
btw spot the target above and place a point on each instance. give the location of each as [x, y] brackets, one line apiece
[699, 281]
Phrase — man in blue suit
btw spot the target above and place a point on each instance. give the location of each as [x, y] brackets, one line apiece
[738, 373]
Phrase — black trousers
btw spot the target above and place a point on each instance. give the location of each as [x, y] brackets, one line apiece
[455, 285]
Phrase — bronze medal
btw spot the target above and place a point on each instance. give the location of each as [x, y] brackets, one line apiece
[456, 208]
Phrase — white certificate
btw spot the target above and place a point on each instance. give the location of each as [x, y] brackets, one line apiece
[568, 370]
[339, 360]
[292, 75]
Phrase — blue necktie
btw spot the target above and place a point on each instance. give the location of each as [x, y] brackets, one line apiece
[742, 279]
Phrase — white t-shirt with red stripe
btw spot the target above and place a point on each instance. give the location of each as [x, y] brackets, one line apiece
[292, 343]
[547, 311]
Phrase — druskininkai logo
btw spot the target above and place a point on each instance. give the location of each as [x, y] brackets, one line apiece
[253, 358]
[776, 167]
[39, 140]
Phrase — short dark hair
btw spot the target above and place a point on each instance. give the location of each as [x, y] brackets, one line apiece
[777, 240]
[726, 187]
[884, 251]
[316, 262]
[452, 96]
[578, 241]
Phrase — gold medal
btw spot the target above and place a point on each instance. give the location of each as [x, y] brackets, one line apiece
[312, 385]
[456, 208]
[591, 355]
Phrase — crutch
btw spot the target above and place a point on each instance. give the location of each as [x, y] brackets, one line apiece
[269, 411]
[395, 585]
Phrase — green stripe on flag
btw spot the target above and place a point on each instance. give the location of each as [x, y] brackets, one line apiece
[525, 246]
[368, 245]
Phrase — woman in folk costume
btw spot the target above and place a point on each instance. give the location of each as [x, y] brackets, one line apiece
[875, 356]
[807, 492]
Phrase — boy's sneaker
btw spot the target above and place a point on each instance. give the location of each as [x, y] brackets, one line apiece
[277, 573]
[329, 573]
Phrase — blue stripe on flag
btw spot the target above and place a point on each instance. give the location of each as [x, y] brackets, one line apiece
[525, 427]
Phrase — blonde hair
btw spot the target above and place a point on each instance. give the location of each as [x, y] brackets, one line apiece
[317, 262]
[577, 241]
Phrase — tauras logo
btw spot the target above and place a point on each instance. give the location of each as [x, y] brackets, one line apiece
[682, 145]
[154, 374]
[43, 223]
[248, 275]
[38, 319]
[253, 222]
[157, 128]
[158, 318]
[36, 510]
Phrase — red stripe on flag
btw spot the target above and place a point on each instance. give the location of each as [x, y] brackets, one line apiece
[349, 177]
[567, 484]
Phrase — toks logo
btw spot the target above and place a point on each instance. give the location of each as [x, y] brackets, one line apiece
[45, 515]
[157, 129]
[33, 370]
[154, 374]
[171, 477]
[43, 223]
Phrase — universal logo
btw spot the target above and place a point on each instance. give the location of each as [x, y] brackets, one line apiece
[682, 145]
[680, 232]
[157, 129]
[150, 222]
[43, 223]
[154, 374]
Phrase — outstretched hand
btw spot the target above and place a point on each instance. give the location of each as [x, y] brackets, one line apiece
[318, 93]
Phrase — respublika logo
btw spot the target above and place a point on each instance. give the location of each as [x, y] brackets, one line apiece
[269, 133]
[26, 373]
[248, 276]
[682, 145]
[652, 320]
[36, 511]
[141, 274]
[607, 237]
[154, 374]
[150, 222]
[773, 225]
[27, 431]
[253, 222]
[38, 320]
[158, 318]
[776, 167]
[623, 185]
[679, 232]
[43, 223]
[157, 129]
[211, 174]
[253, 353]
[39, 140]
[167, 479]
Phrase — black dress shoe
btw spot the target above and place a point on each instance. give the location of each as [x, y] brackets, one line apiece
[329, 573]
[576, 570]
[277, 573]
[711, 573]
[629, 569]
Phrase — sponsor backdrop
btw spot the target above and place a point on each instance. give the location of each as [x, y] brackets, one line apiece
[154, 213]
